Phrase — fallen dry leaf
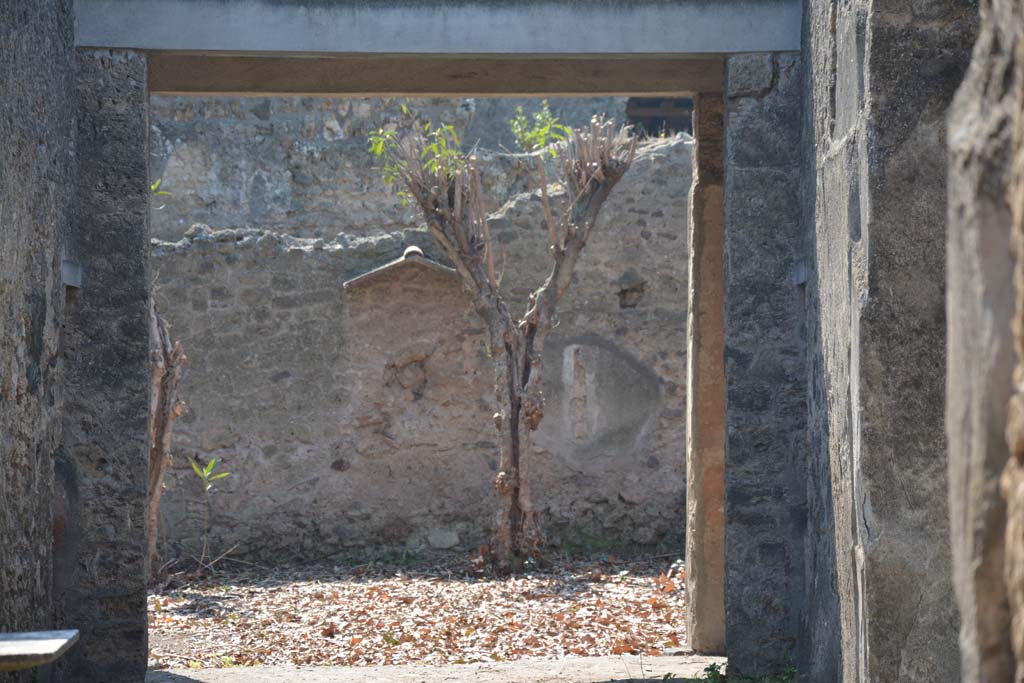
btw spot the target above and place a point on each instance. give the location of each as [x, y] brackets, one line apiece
[446, 613]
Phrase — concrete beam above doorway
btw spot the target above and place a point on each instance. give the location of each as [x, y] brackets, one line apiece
[468, 27]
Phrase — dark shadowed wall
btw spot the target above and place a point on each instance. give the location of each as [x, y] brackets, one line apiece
[37, 187]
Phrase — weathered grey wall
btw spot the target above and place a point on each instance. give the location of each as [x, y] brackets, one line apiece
[988, 108]
[301, 165]
[102, 462]
[881, 77]
[765, 448]
[820, 653]
[362, 419]
[36, 218]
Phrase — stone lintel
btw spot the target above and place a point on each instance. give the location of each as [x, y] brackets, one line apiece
[426, 75]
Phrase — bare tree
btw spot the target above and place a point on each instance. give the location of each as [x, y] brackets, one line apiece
[167, 363]
[445, 184]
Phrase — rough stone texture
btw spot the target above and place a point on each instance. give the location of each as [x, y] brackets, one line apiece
[705, 386]
[361, 419]
[766, 408]
[301, 165]
[881, 79]
[820, 652]
[37, 168]
[986, 111]
[102, 463]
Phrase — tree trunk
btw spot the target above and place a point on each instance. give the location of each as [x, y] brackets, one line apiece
[517, 349]
[168, 361]
[517, 536]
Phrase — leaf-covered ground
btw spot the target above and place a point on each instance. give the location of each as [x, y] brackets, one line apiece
[376, 614]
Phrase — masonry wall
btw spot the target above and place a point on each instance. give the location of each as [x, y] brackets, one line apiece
[359, 420]
[986, 147]
[880, 79]
[37, 182]
[101, 467]
[73, 339]
[301, 165]
[765, 408]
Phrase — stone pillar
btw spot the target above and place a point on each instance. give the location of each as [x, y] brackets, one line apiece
[102, 464]
[705, 390]
[766, 473]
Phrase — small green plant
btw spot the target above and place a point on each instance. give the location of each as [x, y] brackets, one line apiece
[155, 190]
[539, 130]
[787, 676]
[712, 674]
[441, 151]
[207, 474]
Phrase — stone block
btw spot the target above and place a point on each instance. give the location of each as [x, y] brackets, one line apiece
[750, 75]
[442, 539]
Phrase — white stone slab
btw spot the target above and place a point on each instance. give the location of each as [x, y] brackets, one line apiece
[33, 648]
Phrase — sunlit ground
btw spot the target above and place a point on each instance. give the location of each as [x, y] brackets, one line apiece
[444, 613]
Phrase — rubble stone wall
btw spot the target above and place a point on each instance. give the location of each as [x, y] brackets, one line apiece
[301, 165]
[359, 419]
[102, 465]
[766, 407]
[37, 180]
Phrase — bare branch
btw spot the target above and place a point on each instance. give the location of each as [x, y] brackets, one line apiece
[549, 219]
[482, 216]
[501, 273]
[463, 243]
